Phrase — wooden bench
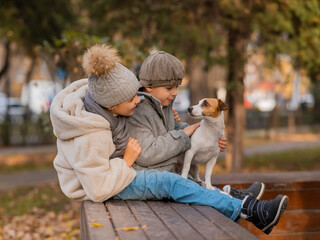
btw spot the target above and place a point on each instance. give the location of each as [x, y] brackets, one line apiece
[117, 219]
[168, 220]
[301, 220]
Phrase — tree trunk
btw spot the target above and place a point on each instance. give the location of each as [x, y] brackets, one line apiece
[6, 61]
[198, 81]
[6, 127]
[273, 124]
[235, 89]
[316, 95]
[294, 103]
[25, 128]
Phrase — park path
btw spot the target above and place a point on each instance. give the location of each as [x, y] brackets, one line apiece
[33, 178]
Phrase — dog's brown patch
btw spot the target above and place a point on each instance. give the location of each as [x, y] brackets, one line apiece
[212, 107]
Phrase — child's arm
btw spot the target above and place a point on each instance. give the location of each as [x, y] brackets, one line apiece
[100, 177]
[131, 152]
[157, 149]
[222, 144]
[178, 125]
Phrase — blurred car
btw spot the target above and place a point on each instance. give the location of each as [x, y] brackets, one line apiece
[38, 95]
[3, 103]
[266, 104]
[14, 107]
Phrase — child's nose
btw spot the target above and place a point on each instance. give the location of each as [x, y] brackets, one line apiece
[174, 92]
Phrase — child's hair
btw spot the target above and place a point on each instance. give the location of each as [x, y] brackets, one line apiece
[161, 69]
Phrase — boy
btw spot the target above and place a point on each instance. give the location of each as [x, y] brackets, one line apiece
[163, 140]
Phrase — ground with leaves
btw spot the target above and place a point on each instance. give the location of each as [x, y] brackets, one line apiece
[38, 213]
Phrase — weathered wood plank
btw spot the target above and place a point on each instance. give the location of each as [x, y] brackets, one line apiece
[283, 177]
[292, 236]
[155, 229]
[121, 216]
[226, 224]
[307, 198]
[204, 226]
[177, 225]
[97, 212]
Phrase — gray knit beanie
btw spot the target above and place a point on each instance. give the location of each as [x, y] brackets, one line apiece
[161, 69]
[110, 83]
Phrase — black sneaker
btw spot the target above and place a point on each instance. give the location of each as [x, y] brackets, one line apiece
[264, 214]
[256, 190]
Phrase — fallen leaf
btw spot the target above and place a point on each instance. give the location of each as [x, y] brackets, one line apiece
[92, 220]
[97, 224]
[127, 228]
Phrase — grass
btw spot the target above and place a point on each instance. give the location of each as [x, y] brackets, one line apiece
[29, 166]
[41, 212]
[23, 200]
[291, 160]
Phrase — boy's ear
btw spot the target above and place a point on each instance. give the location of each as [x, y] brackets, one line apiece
[222, 105]
[149, 89]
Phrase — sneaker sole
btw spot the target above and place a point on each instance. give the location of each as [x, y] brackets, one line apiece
[261, 191]
[282, 206]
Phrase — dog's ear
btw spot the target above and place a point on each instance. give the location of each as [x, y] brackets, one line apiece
[222, 105]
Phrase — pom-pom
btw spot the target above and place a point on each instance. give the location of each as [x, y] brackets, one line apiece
[100, 59]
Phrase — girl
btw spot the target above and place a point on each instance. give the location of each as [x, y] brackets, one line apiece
[95, 153]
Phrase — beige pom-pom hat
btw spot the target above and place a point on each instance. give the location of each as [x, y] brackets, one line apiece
[161, 69]
[110, 83]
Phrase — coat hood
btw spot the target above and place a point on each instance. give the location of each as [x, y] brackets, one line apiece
[68, 115]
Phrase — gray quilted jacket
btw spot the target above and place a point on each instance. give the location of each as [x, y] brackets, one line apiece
[162, 139]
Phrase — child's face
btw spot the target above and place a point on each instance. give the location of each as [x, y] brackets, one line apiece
[165, 94]
[126, 108]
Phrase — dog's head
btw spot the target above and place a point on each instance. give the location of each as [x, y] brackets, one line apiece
[208, 107]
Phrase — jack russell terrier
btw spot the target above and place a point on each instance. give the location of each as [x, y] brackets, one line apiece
[204, 141]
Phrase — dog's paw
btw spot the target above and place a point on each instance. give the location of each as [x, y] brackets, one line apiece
[202, 183]
[184, 175]
[210, 187]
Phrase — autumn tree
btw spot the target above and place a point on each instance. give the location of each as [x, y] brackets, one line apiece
[212, 31]
[29, 24]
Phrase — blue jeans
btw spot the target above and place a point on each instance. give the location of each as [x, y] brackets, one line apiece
[156, 185]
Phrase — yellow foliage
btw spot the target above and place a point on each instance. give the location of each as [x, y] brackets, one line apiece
[130, 228]
[97, 224]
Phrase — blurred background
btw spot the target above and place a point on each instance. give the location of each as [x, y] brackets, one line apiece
[260, 57]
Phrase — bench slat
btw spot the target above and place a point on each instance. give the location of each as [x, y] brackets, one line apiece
[226, 224]
[155, 229]
[204, 226]
[96, 212]
[121, 216]
[177, 225]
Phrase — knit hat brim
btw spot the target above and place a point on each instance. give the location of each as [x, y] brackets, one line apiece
[160, 83]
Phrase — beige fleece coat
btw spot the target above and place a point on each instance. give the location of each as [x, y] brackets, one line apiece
[84, 142]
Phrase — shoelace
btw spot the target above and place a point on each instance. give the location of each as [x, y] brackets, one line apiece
[238, 194]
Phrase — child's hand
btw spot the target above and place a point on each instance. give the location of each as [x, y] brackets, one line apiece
[222, 144]
[190, 129]
[132, 151]
[176, 115]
